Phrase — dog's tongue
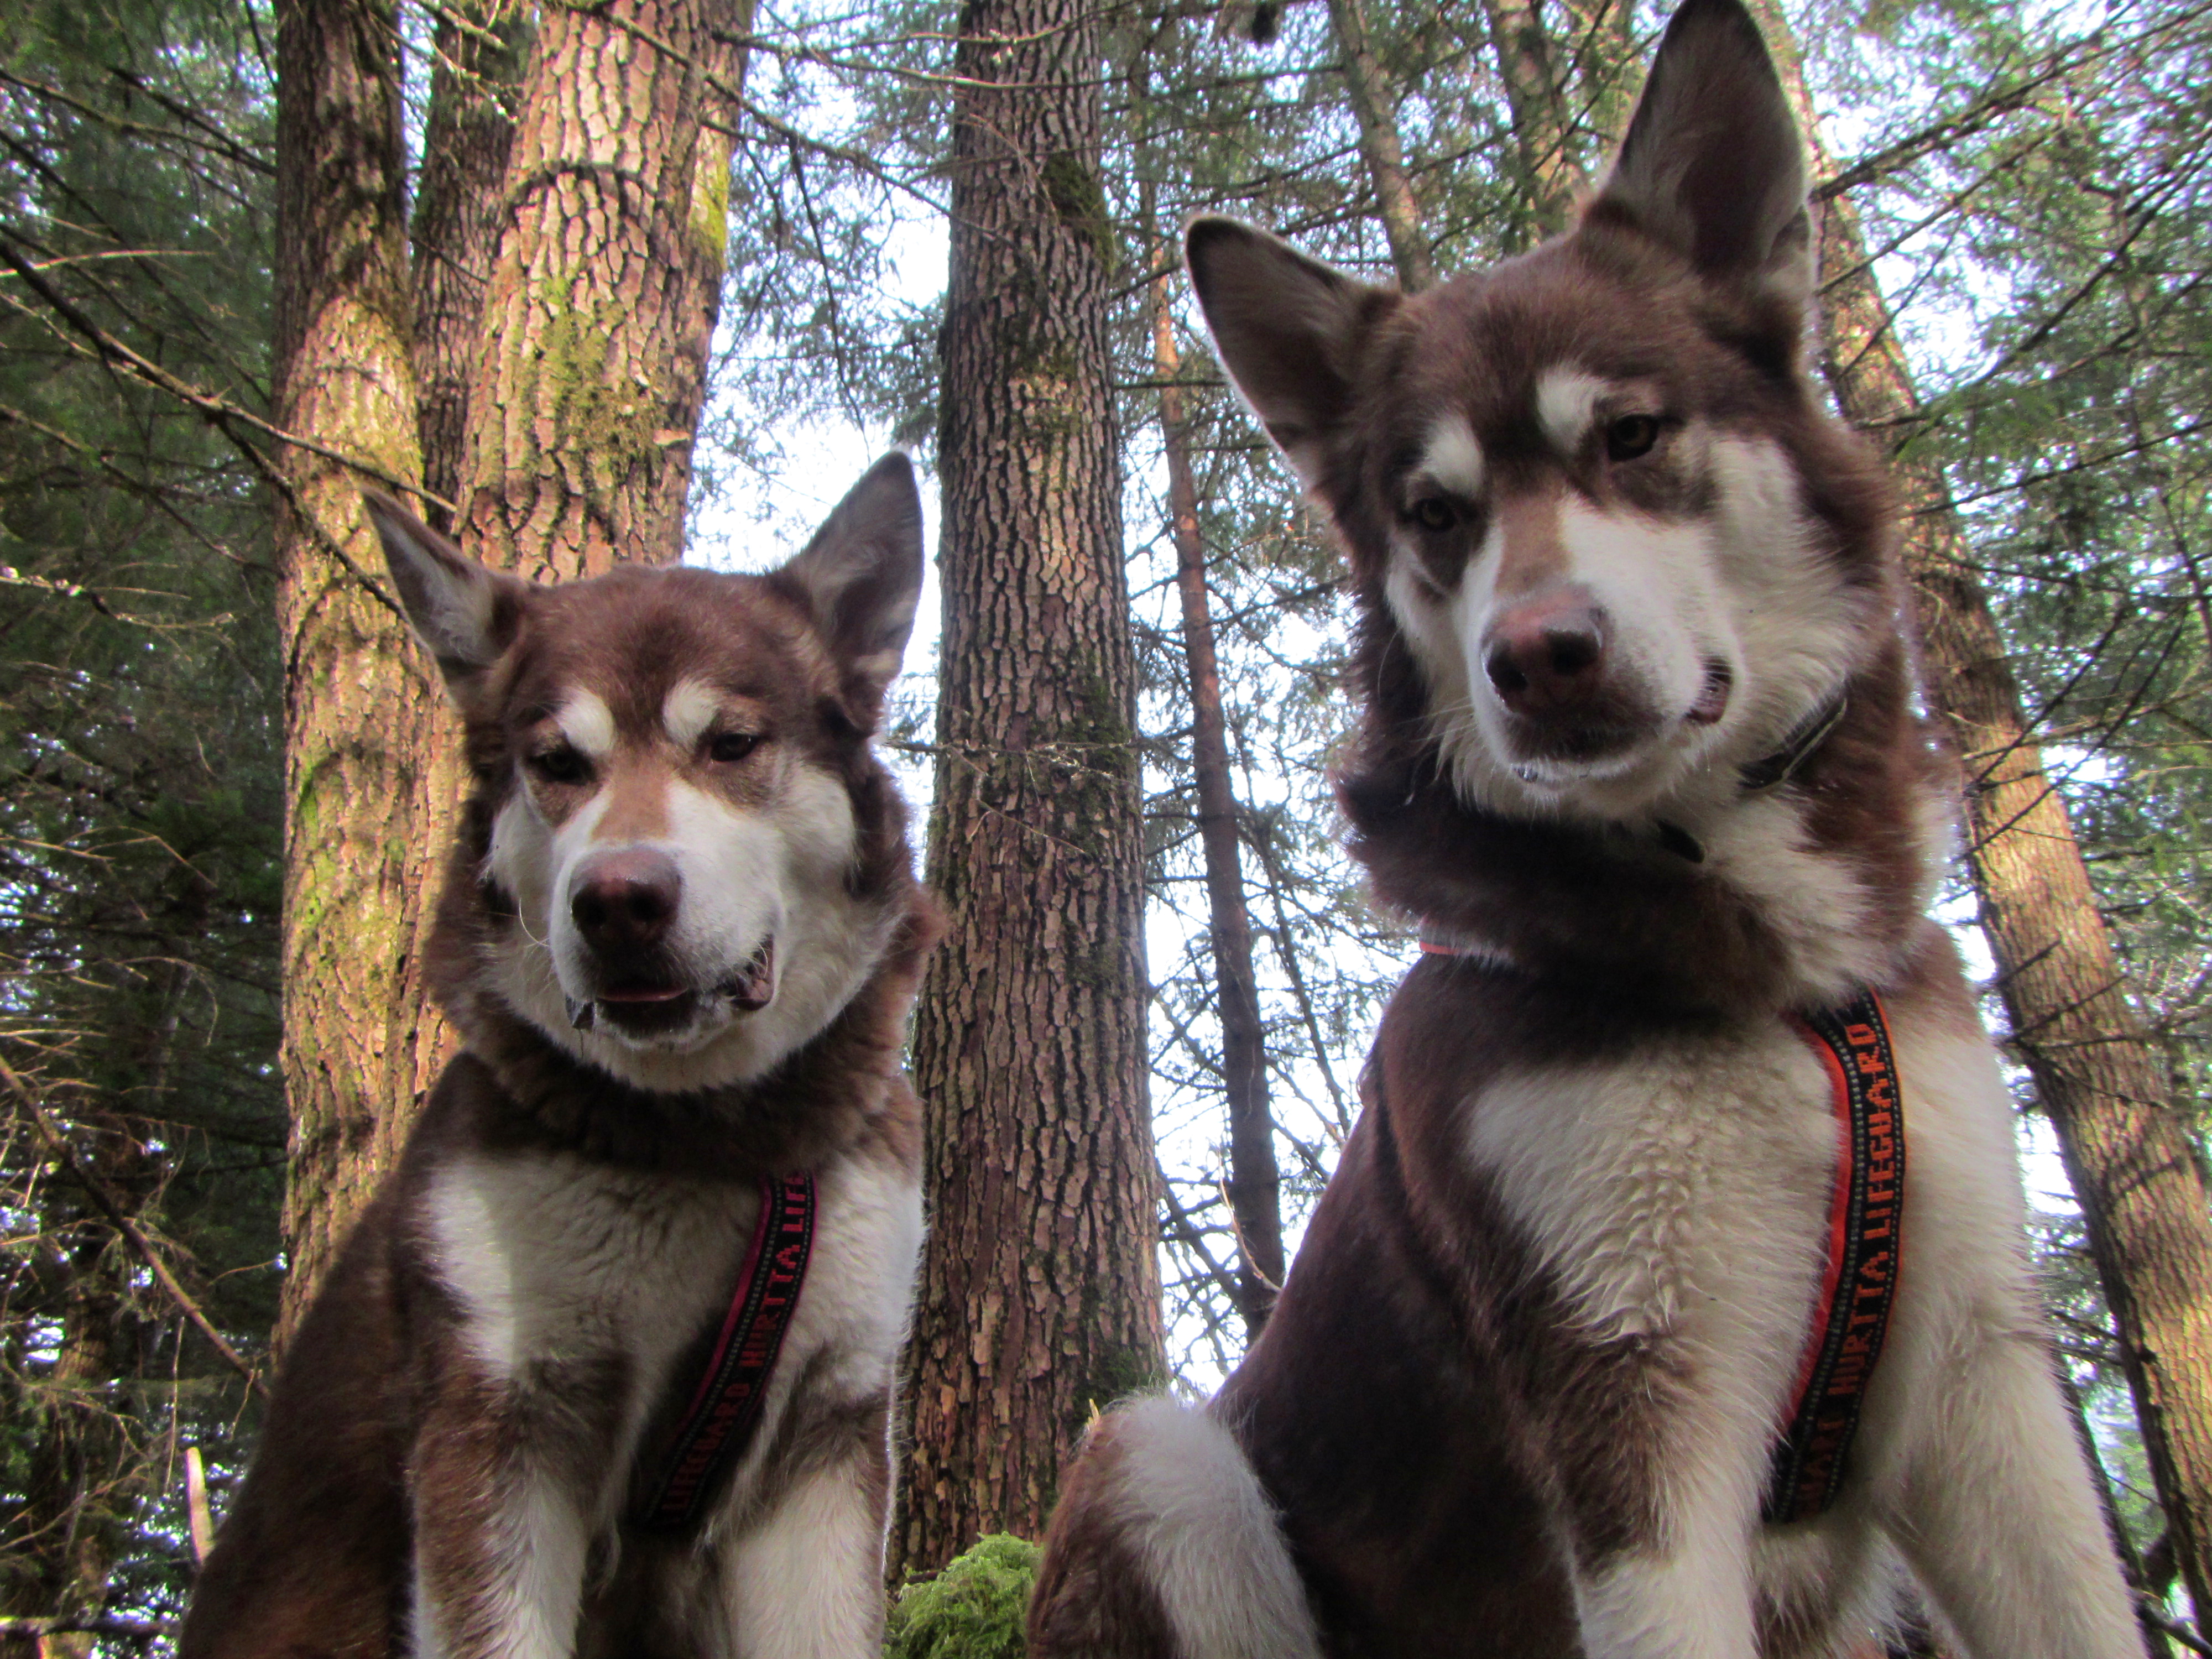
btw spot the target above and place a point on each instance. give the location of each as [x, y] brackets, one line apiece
[1712, 696]
[754, 982]
[643, 994]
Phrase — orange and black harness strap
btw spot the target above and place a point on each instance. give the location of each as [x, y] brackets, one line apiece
[725, 1410]
[1865, 1239]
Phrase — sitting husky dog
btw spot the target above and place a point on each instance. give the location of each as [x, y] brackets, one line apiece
[1641, 757]
[679, 937]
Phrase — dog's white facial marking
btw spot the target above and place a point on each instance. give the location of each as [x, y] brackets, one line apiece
[688, 711]
[1428, 619]
[1567, 403]
[1800, 627]
[1656, 584]
[1746, 588]
[521, 860]
[750, 875]
[1664, 628]
[588, 724]
[1452, 459]
[1207, 1536]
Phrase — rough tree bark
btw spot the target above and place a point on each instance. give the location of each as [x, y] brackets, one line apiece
[358, 713]
[1255, 1184]
[2127, 1152]
[1040, 1294]
[460, 212]
[592, 363]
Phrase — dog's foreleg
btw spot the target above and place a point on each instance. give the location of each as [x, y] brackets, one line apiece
[1690, 1599]
[500, 1545]
[804, 1581]
[1997, 1514]
[1659, 1513]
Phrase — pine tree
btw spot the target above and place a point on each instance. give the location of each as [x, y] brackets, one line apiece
[1040, 1287]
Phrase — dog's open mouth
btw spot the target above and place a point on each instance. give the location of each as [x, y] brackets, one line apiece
[644, 1007]
[638, 1007]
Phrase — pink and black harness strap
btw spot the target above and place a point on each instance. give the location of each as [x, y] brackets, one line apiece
[725, 1409]
[1865, 1243]
[1865, 1249]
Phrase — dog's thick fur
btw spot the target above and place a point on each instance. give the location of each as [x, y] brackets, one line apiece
[679, 938]
[1520, 1394]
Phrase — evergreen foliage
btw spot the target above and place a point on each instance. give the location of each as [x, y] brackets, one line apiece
[139, 771]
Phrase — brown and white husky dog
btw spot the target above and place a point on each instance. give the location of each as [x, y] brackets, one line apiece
[1640, 748]
[680, 935]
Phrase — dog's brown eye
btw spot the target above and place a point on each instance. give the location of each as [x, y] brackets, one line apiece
[1434, 513]
[727, 746]
[1631, 435]
[562, 765]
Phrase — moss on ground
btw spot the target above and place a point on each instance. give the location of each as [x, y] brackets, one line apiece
[975, 1608]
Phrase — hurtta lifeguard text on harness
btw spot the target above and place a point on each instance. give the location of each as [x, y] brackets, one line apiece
[1864, 1242]
[725, 1407]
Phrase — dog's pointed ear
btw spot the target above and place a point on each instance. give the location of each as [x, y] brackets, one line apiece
[862, 578]
[465, 614]
[1713, 166]
[1289, 330]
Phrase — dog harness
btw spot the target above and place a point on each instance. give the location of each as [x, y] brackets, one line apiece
[1865, 1243]
[725, 1409]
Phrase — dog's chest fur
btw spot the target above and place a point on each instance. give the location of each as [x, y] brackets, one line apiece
[595, 1285]
[1640, 1184]
[1637, 1213]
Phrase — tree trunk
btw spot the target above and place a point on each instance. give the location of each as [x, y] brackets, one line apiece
[358, 711]
[2098, 1079]
[1255, 1183]
[1040, 1296]
[460, 212]
[591, 366]
[1372, 107]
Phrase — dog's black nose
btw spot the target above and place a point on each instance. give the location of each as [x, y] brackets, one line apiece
[625, 898]
[1545, 654]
